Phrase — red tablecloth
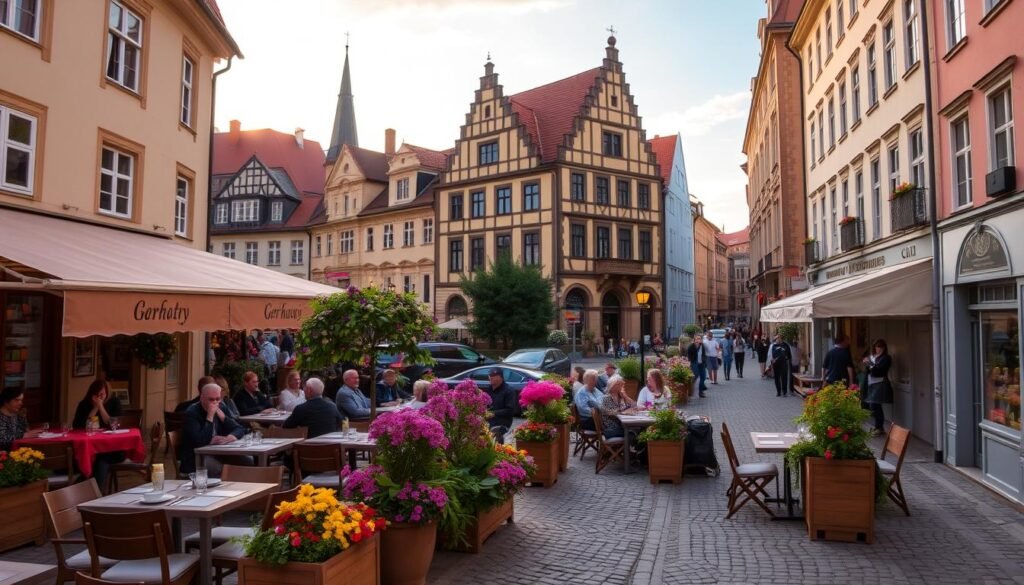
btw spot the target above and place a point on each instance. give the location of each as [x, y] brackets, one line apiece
[87, 446]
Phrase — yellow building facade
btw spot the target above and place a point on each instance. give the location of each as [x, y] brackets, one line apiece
[559, 176]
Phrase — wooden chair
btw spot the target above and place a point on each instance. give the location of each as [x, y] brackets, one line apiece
[142, 543]
[245, 474]
[173, 421]
[748, 478]
[226, 555]
[896, 443]
[585, 438]
[83, 579]
[321, 462]
[59, 459]
[140, 468]
[62, 509]
[608, 450]
[131, 418]
[276, 432]
[174, 440]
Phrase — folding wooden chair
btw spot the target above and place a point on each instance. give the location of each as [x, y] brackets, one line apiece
[748, 478]
[896, 442]
[608, 450]
[62, 508]
[142, 543]
[141, 468]
[585, 439]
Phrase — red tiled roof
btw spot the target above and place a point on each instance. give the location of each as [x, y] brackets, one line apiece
[305, 166]
[431, 159]
[305, 212]
[734, 238]
[664, 148]
[373, 164]
[786, 12]
[548, 111]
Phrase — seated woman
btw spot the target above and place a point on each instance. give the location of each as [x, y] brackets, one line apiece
[615, 402]
[419, 394]
[292, 394]
[655, 394]
[100, 404]
[13, 424]
[576, 378]
[227, 405]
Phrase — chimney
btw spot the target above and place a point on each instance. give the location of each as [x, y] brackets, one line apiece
[389, 141]
[236, 130]
[299, 137]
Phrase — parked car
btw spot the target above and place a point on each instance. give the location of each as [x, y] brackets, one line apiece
[452, 358]
[544, 359]
[515, 377]
[388, 359]
[718, 333]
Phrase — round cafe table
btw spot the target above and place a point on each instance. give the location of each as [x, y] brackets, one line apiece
[87, 446]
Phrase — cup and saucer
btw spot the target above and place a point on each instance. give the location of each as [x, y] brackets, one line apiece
[155, 497]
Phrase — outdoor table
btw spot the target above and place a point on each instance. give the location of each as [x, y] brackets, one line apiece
[87, 445]
[804, 384]
[779, 443]
[274, 417]
[261, 452]
[641, 420]
[26, 573]
[381, 409]
[351, 443]
[187, 504]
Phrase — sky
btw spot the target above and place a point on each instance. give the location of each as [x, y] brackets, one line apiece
[416, 63]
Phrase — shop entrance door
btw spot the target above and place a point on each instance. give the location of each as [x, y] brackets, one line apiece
[922, 384]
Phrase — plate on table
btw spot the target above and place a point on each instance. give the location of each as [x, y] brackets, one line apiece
[117, 432]
[163, 500]
[49, 435]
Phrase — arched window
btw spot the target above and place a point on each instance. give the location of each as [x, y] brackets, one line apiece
[457, 307]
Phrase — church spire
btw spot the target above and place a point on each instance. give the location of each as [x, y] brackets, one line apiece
[344, 131]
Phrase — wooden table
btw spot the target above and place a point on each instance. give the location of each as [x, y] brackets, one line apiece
[642, 420]
[261, 452]
[205, 510]
[26, 573]
[804, 384]
[276, 417]
[779, 443]
[353, 443]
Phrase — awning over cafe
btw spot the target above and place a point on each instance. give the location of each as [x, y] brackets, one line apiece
[119, 282]
[894, 291]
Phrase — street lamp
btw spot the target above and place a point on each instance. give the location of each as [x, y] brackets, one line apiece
[642, 297]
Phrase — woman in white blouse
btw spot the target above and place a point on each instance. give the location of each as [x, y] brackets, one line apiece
[291, 395]
[654, 394]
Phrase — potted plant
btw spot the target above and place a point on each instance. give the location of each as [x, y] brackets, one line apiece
[481, 476]
[664, 441]
[588, 343]
[679, 379]
[22, 483]
[540, 441]
[903, 188]
[629, 369]
[546, 402]
[314, 539]
[557, 338]
[840, 481]
[405, 487]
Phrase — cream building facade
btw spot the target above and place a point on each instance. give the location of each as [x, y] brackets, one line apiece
[559, 176]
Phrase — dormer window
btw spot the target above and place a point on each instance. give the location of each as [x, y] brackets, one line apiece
[245, 210]
[276, 210]
[611, 144]
[489, 153]
[403, 189]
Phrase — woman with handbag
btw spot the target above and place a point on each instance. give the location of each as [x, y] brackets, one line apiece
[879, 389]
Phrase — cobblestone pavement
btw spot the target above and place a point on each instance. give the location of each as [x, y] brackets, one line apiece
[617, 528]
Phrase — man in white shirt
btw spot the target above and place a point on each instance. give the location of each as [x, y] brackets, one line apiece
[713, 351]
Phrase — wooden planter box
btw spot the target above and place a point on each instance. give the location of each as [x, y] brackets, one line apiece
[563, 446]
[22, 511]
[408, 552]
[680, 392]
[484, 525]
[665, 461]
[545, 457]
[840, 499]
[359, 565]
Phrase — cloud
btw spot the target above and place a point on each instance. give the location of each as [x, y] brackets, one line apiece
[700, 119]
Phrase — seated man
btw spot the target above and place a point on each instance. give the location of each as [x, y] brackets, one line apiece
[503, 404]
[182, 407]
[352, 403]
[249, 399]
[316, 414]
[609, 371]
[388, 392]
[206, 424]
[587, 398]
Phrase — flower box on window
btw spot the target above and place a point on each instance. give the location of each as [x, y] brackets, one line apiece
[811, 251]
[851, 233]
[908, 207]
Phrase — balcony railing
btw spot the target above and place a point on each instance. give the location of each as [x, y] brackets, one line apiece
[768, 261]
[851, 234]
[908, 210]
[811, 252]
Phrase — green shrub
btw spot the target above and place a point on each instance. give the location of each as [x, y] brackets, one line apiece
[692, 329]
[629, 368]
[557, 337]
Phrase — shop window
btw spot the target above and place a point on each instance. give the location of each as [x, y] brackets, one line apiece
[1000, 366]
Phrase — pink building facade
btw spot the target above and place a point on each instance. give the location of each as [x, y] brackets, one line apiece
[977, 90]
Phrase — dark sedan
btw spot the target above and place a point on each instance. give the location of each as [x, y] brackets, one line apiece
[544, 359]
[516, 378]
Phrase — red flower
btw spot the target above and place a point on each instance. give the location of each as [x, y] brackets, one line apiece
[833, 432]
[828, 454]
[296, 541]
[279, 530]
[846, 437]
[356, 537]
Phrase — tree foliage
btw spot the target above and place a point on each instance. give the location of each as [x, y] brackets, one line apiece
[511, 302]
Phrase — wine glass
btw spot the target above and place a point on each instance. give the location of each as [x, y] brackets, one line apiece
[45, 428]
[115, 423]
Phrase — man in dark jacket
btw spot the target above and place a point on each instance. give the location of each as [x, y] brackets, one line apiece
[206, 424]
[503, 402]
[780, 357]
[838, 364]
[316, 414]
[249, 399]
[698, 363]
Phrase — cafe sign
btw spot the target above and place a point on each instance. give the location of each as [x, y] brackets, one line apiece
[982, 253]
[899, 254]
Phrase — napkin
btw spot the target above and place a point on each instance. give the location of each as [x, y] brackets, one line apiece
[196, 502]
[224, 493]
[140, 489]
[117, 432]
[772, 442]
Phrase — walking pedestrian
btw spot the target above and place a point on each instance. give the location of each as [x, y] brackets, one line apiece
[761, 349]
[698, 359]
[727, 354]
[838, 364]
[781, 359]
[713, 350]
[879, 388]
[740, 353]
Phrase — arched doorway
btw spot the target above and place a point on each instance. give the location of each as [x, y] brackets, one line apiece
[456, 308]
[611, 317]
[576, 300]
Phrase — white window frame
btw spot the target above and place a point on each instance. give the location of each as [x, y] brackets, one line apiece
[183, 188]
[318, 246]
[813, 142]
[843, 126]
[7, 144]
[402, 189]
[116, 177]
[117, 40]
[834, 212]
[858, 192]
[872, 57]
[814, 218]
[8, 16]
[252, 253]
[831, 121]
[912, 36]
[876, 198]
[892, 160]
[889, 54]
[330, 244]
[828, 32]
[821, 135]
[221, 214]
[276, 210]
[853, 8]
[956, 22]
[348, 241]
[298, 252]
[244, 210]
[188, 68]
[409, 233]
[274, 253]
[840, 19]
[389, 236]
[229, 250]
[961, 152]
[428, 230]
[846, 197]
[918, 172]
[855, 93]
[817, 48]
[1002, 132]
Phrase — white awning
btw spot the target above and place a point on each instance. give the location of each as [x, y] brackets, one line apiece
[903, 290]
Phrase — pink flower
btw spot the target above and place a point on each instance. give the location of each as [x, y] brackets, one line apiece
[540, 393]
[828, 454]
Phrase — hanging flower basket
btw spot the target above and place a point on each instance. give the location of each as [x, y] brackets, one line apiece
[154, 351]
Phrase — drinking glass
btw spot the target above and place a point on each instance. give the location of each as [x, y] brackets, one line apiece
[115, 423]
[45, 428]
[257, 438]
[199, 480]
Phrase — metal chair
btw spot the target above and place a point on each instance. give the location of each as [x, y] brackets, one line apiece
[62, 509]
[896, 443]
[748, 478]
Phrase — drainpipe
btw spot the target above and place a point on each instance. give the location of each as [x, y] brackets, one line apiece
[812, 354]
[209, 189]
[940, 434]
